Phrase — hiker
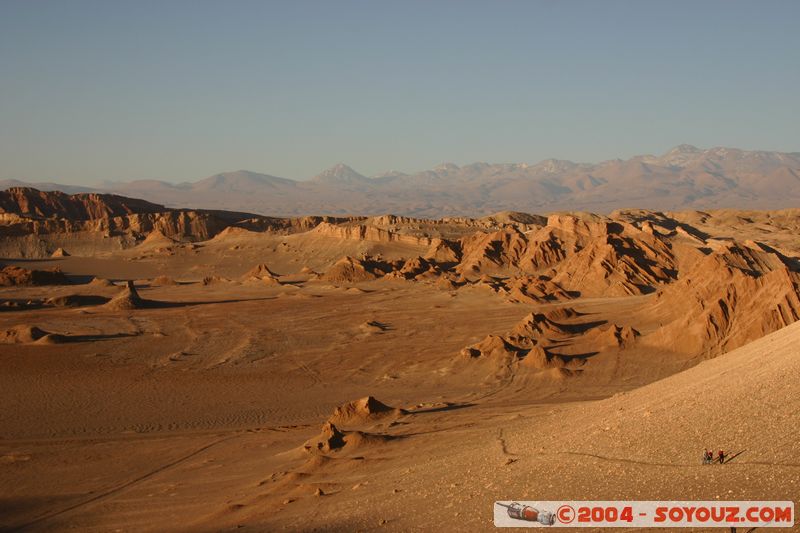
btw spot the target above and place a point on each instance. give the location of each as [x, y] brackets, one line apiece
[706, 457]
[721, 457]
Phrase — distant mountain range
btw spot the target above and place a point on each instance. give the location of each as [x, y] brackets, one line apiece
[686, 177]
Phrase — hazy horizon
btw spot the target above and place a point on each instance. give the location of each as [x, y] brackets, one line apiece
[409, 172]
[94, 91]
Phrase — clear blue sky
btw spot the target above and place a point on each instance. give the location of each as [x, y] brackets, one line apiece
[181, 90]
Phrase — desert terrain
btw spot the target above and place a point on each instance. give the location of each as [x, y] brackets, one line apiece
[195, 370]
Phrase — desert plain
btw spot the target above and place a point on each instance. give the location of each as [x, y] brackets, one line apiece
[189, 370]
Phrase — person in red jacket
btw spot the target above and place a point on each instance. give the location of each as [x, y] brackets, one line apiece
[721, 457]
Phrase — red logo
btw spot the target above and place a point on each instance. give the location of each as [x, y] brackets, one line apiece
[565, 514]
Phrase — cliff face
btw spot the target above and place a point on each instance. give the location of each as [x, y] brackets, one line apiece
[35, 223]
[361, 232]
[730, 297]
[31, 203]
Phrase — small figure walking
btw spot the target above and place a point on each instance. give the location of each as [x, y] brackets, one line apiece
[707, 457]
[721, 457]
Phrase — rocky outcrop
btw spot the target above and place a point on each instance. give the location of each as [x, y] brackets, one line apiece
[492, 347]
[127, 300]
[32, 203]
[14, 275]
[490, 252]
[60, 252]
[35, 223]
[350, 270]
[364, 232]
[262, 273]
[363, 411]
[535, 343]
[25, 334]
[529, 289]
[615, 266]
[444, 251]
[732, 296]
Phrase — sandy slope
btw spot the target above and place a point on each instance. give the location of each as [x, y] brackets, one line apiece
[645, 444]
[446, 466]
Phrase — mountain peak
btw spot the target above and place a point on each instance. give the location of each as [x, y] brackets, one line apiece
[684, 149]
[340, 173]
[390, 174]
[553, 166]
[446, 167]
[239, 180]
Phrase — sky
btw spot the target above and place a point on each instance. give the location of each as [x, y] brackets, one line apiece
[180, 90]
